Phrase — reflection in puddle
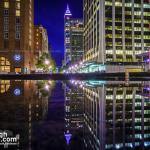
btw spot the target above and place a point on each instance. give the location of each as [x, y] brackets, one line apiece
[22, 105]
[116, 116]
[89, 115]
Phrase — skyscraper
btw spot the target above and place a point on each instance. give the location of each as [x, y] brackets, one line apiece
[16, 26]
[73, 38]
[116, 31]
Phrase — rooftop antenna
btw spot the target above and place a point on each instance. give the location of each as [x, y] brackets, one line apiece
[68, 12]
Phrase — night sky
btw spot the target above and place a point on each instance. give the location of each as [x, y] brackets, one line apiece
[50, 13]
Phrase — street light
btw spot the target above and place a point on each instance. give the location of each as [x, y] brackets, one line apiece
[47, 87]
[47, 62]
[50, 67]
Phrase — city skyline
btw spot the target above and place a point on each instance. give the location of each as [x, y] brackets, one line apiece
[75, 74]
[53, 21]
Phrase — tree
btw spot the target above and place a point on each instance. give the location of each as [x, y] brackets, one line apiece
[46, 63]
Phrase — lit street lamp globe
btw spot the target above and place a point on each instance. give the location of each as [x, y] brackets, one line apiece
[47, 62]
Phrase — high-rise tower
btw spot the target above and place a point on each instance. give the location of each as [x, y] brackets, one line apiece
[67, 26]
[73, 32]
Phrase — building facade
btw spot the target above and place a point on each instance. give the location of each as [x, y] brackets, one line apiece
[116, 31]
[40, 40]
[73, 32]
[16, 26]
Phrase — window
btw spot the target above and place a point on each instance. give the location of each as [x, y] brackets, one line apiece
[17, 12]
[17, 35]
[18, 70]
[6, 35]
[17, 28]
[18, 5]
[6, 28]
[6, 20]
[17, 20]
[6, 4]
[6, 12]
[4, 86]
[4, 65]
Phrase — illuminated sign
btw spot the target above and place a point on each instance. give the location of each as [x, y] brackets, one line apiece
[17, 92]
[17, 57]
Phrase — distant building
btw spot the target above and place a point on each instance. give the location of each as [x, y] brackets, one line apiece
[116, 31]
[40, 40]
[73, 39]
[16, 36]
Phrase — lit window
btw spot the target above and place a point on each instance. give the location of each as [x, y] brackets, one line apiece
[4, 86]
[29, 43]
[7, 63]
[17, 12]
[6, 4]
[17, 5]
[4, 65]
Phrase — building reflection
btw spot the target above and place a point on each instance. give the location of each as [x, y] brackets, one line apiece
[103, 115]
[21, 106]
[73, 111]
[116, 116]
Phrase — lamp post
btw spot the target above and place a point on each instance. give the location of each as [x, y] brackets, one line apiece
[47, 62]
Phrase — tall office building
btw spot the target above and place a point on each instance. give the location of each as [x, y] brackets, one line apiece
[116, 31]
[73, 38]
[40, 40]
[16, 36]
